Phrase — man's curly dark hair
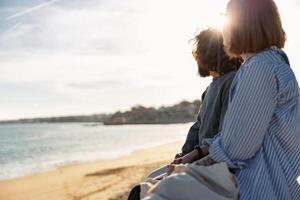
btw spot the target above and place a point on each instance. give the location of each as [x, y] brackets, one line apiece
[210, 54]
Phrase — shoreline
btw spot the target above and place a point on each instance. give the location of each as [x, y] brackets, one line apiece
[88, 161]
[102, 179]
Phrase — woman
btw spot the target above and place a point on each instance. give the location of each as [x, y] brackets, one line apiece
[260, 137]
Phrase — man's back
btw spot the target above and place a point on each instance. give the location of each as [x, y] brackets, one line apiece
[211, 113]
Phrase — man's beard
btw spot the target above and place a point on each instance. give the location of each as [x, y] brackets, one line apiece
[203, 71]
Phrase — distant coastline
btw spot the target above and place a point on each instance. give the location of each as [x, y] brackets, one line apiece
[182, 112]
[98, 118]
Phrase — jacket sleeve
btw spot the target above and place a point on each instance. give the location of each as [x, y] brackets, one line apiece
[192, 138]
[248, 116]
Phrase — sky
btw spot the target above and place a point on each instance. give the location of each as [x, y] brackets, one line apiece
[63, 57]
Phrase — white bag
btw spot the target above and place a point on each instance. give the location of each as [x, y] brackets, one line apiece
[192, 182]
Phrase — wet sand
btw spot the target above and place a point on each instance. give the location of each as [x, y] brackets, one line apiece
[100, 180]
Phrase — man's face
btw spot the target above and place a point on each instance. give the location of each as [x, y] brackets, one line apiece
[202, 71]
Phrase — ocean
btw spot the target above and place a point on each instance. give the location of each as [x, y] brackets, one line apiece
[31, 148]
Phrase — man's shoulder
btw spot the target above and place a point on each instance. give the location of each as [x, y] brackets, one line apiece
[226, 79]
[222, 86]
[229, 76]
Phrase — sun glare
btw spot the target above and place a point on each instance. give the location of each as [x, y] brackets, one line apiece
[218, 21]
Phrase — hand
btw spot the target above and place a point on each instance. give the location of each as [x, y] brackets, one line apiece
[171, 168]
[172, 165]
[190, 157]
[206, 161]
[177, 161]
[178, 155]
[205, 150]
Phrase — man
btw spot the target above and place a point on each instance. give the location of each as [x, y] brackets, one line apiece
[212, 61]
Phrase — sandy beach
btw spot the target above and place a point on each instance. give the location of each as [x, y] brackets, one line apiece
[99, 180]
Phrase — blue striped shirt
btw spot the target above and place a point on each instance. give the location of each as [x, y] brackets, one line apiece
[260, 137]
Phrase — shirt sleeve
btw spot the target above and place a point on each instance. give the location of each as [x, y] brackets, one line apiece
[248, 116]
[224, 103]
[209, 141]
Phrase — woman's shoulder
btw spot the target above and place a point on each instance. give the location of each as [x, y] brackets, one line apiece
[273, 56]
[273, 62]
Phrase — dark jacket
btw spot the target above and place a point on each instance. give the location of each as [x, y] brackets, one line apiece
[211, 114]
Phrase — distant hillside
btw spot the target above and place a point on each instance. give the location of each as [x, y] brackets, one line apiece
[80, 118]
[180, 113]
